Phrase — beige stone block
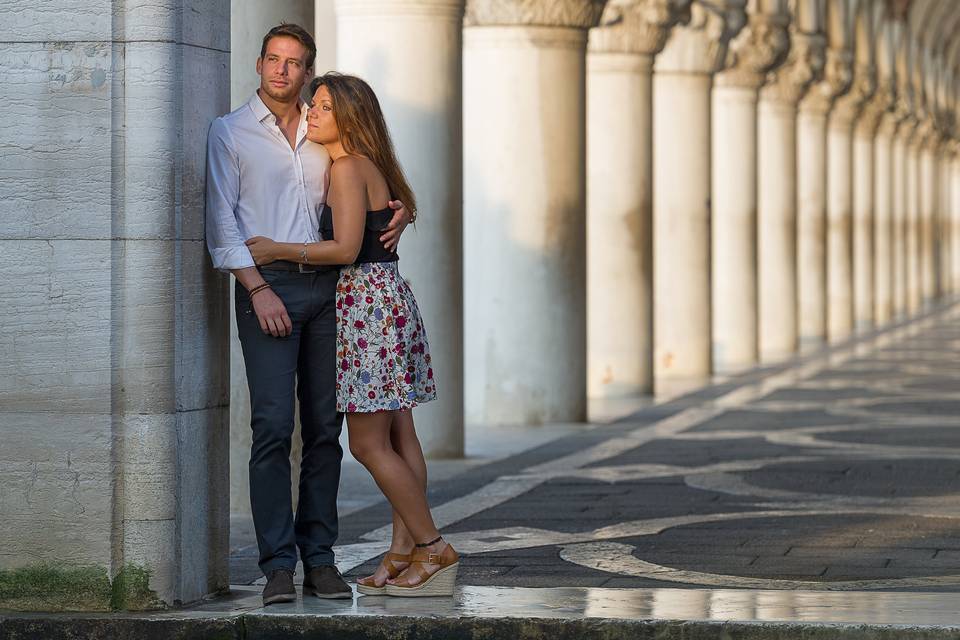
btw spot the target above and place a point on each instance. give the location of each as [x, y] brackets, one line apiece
[55, 337]
[55, 170]
[31, 21]
[202, 329]
[56, 493]
[204, 513]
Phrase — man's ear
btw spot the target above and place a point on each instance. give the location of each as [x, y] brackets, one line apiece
[259, 65]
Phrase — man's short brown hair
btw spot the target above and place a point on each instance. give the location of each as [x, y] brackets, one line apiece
[296, 32]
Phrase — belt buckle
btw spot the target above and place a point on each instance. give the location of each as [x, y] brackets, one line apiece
[303, 270]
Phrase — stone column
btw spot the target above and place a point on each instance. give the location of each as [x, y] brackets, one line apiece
[681, 208]
[883, 190]
[943, 223]
[418, 86]
[777, 194]
[812, 197]
[524, 209]
[325, 35]
[913, 284]
[113, 410]
[760, 46]
[249, 22]
[840, 208]
[955, 215]
[619, 196]
[864, 211]
[927, 198]
[901, 142]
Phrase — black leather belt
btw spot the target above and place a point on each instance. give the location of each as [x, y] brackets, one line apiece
[284, 265]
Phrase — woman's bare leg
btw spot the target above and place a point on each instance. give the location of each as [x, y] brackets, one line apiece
[370, 444]
[403, 440]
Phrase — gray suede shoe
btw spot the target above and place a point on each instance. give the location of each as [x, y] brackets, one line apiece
[279, 587]
[325, 581]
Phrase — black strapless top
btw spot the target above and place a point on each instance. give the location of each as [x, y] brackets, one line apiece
[371, 249]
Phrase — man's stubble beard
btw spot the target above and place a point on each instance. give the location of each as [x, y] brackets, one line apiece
[278, 96]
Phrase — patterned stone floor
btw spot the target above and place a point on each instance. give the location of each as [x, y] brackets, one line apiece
[839, 471]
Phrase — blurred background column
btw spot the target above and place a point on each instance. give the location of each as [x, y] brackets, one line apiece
[524, 144]
[812, 184]
[760, 46]
[683, 75]
[865, 126]
[409, 51]
[884, 101]
[619, 195]
[840, 171]
[777, 183]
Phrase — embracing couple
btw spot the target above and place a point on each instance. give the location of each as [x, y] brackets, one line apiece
[305, 206]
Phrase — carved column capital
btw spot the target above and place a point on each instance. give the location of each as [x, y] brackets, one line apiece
[804, 66]
[849, 105]
[700, 45]
[836, 80]
[577, 14]
[878, 113]
[759, 47]
[634, 26]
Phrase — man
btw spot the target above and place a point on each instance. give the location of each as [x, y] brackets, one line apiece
[265, 179]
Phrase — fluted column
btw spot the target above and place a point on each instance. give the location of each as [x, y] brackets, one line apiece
[777, 194]
[840, 208]
[418, 86]
[759, 46]
[883, 189]
[681, 209]
[619, 196]
[812, 187]
[524, 209]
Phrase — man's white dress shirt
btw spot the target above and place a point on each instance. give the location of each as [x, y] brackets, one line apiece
[258, 185]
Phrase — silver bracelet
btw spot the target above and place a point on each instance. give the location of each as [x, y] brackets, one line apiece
[303, 254]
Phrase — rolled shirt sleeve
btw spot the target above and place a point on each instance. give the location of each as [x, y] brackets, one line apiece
[224, 240]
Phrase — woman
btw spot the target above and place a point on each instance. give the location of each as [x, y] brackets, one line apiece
[383, 359]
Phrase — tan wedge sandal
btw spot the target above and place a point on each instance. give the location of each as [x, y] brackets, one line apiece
[439, 583]
[368, 587]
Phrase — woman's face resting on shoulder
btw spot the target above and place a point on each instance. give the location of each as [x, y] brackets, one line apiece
[321, 125]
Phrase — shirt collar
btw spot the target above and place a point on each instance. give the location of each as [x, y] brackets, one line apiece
[261, 111]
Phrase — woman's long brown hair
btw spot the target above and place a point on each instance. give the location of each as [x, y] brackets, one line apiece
[363, 130]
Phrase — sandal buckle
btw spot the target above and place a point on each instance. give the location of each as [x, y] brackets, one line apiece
[433, 558]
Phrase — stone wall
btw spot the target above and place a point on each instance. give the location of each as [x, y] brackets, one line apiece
[114, 385]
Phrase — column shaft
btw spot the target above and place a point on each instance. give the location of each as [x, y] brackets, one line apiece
[883, 223]
[777, 229]
[681, 214]
[927, 245]
[619, 248]
[419, 90]
[899, 226]
[863, 222]
[811, 226]
[913, 285]
[839, 222]
[524, 222]
[733, 227]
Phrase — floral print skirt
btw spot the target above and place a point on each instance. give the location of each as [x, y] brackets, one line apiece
[383, 361]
